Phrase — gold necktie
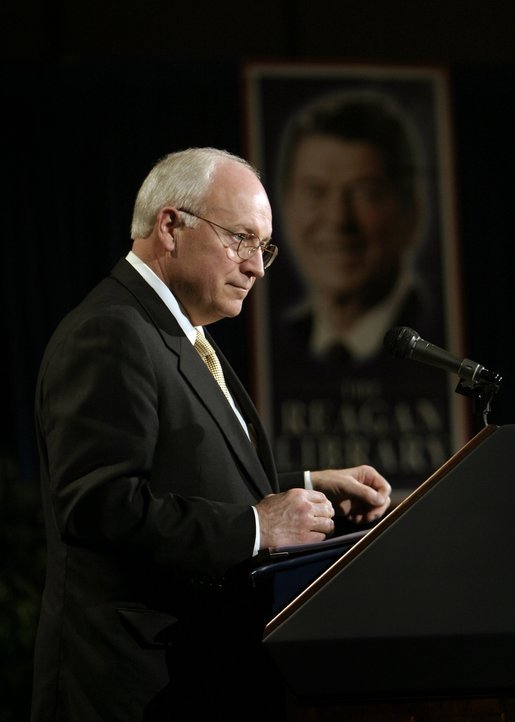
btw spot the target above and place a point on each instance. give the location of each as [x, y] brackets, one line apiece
[210, 358]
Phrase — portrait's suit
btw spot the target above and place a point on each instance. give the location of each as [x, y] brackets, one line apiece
[148, 481]
[335, 411]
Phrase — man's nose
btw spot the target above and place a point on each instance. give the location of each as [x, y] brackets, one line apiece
[254, 265]
[340, 210]
[338, 205]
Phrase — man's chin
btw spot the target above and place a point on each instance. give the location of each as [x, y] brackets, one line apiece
[232, 309]
[333, 286]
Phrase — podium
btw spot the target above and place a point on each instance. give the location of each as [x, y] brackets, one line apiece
[419, 608]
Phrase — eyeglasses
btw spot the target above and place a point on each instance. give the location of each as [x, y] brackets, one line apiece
[246, 243]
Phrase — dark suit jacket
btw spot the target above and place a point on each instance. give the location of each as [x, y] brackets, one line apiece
[148, 481]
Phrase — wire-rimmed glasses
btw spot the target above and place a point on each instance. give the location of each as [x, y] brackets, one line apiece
[246, 243]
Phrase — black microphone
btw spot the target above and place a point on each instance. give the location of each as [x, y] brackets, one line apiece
[404, 342]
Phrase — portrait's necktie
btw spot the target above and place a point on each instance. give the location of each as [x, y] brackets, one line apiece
[210, 358]
[338, 355]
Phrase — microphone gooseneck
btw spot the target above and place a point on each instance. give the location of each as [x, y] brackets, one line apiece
[475, 380]
[404, 342]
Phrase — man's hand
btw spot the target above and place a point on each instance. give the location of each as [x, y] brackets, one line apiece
[297, 516]
[360, 493]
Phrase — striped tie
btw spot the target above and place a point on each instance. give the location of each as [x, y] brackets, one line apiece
[210, 358]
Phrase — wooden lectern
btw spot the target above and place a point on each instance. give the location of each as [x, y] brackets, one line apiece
[416, 620]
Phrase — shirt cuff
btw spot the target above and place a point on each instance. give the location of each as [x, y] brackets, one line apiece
[308, 484]
[257, 541]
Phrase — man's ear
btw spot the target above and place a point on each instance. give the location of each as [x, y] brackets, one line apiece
[168, 220]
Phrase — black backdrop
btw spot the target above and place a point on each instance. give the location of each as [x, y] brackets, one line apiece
[79, 139]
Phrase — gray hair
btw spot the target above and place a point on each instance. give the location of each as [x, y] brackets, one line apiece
[178, 179]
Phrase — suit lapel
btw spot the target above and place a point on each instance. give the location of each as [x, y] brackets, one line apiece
[249, 414]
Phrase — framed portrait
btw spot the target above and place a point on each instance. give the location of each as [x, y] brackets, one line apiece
[358, 164]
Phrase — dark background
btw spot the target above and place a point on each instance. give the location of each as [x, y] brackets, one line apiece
[95, 92]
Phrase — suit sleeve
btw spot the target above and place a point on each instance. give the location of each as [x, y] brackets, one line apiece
[98, 415]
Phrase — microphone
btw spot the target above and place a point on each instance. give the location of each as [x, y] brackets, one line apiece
[404, 342]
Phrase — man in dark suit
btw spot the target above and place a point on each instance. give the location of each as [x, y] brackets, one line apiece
[159, 489]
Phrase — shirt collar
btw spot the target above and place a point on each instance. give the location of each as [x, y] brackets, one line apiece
[164, 293]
